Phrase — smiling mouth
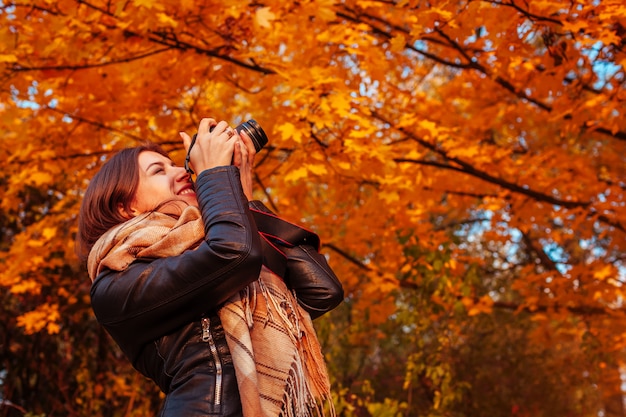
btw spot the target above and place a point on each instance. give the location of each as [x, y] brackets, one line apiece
[187, 191]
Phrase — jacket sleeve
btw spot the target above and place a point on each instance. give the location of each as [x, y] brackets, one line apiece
[153, 297]
[317, 287]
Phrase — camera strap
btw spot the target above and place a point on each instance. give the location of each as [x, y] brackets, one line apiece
[188, 157]
[273, 258]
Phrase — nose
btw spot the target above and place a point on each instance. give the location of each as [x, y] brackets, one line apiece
[182, 174]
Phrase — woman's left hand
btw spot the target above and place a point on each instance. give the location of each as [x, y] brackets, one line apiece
[244, 160]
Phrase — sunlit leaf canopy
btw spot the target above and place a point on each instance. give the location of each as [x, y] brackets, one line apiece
[474, 146]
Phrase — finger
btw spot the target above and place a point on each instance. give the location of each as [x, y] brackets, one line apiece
[206, 124]
[186, 140]
[237, 155]
[245, 149]
[220, 127]
[248, 143]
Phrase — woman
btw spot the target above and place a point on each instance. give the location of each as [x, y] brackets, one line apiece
[194, 293]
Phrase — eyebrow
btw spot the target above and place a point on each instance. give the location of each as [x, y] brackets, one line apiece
[153, 164]
[160, 163]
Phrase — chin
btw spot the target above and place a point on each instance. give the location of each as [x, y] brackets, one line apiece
[177, 204]
[191, 200]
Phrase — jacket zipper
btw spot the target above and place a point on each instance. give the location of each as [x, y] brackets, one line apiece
[208, 337]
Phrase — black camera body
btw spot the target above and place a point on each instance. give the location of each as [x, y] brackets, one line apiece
[254, 131]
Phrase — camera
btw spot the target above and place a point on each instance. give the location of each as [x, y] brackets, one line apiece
[254, 131]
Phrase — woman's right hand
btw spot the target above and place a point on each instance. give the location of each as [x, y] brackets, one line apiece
[214, 145]
[244, 160]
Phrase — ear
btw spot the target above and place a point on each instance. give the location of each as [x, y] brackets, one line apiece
[125, 213]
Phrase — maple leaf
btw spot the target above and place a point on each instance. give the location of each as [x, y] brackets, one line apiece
[167, 20]
[45, 316]
[8, 58]
[148, 4]
[264, 17]
[289, 131]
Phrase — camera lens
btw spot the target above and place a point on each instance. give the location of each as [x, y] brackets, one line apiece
[255, 132]
[251, 128]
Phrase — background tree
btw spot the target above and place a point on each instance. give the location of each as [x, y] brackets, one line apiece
[463, 162]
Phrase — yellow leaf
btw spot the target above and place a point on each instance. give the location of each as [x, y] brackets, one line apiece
[389, 196]
[478, 309]
[289, 131]
[49, 232]
[360, 133]
[610, 37]
[451, 264]
[186, 4]
[464, 152]
[484, 305]
[317, 169]
[603, 273]
[35, 243]
[397, 43]
[430, 127]
[296, 174]
[53, 328]
[149, 4]
[167, 20]
[318, 156]
[356, 145]
[467, 301]
[264, 17]
[575, 26]
[492, 204]
[539, 317]
[45, 316]
[26, 286]
[341, 103]
[40, 178]
[8, 58]
[324, 10]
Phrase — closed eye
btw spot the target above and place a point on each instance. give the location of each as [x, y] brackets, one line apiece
[156, 168]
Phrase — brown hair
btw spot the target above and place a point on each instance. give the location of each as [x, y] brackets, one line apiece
[112, 188]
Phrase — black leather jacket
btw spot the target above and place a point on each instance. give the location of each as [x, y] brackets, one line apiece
[162, 312]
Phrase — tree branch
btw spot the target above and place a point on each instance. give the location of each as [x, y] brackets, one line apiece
[475, 172]
[75, 67]
[544, 259]
[173, 42]
[469, 64]
[526, 13]
[580, 310]
[348, 257]
[99, 125]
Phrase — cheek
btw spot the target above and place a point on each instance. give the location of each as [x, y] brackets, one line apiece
[144, 198]
[150, 194]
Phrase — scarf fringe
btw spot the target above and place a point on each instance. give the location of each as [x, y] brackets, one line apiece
[306, 387]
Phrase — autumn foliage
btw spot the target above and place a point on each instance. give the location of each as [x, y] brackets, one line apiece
[463, 162]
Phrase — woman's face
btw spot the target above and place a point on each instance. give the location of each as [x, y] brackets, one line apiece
[160, 180]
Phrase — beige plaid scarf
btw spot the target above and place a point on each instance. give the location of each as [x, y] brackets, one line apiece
[278, 361]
